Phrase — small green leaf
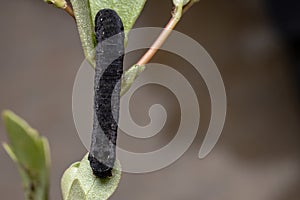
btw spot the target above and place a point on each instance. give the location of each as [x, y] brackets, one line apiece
[31, 153]
[79, 177]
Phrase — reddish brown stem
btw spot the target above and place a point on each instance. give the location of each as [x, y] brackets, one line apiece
[69, 10]
[162, 37]
[159, 42]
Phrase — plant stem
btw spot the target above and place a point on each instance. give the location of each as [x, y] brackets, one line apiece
[70, 11]
[132, 73]
[159, 42]
[62, 4]
[164, 34]
[189, 5]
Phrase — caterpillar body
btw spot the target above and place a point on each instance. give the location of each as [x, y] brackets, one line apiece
[109, 33]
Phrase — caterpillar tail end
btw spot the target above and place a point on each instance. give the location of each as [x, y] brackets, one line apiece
[99, 169]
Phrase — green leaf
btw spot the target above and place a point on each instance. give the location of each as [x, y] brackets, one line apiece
[78, 179]
[31, 153]
[85, 28]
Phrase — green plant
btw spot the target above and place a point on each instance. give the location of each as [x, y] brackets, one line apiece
[31, 152]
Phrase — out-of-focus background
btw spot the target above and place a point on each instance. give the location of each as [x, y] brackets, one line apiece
[256, 47]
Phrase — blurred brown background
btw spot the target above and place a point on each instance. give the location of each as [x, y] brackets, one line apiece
[257, 156]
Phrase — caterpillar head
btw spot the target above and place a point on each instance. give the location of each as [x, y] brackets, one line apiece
[107, 24]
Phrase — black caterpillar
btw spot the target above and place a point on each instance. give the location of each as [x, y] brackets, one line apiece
[109, 32]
